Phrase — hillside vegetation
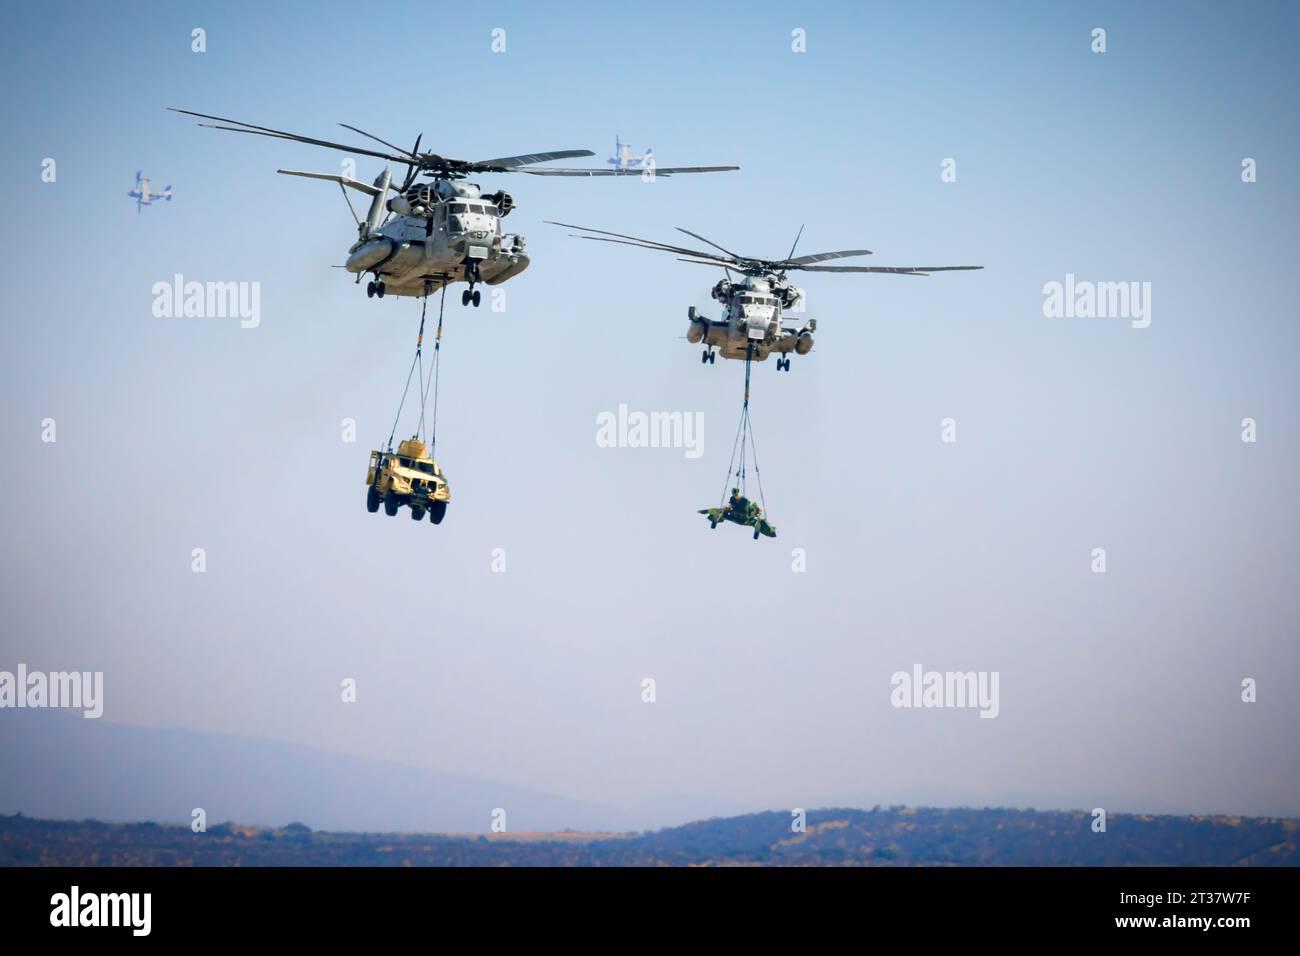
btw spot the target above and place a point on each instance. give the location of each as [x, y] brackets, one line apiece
[898, 836]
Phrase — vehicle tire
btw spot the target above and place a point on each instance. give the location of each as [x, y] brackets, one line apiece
[391, 504]
[417, 514]
[437, 511]
[372, 499]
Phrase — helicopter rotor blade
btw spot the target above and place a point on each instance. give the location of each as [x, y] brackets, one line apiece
[715, 263]
[640, 245]
[528, 159]
[659, 171]
[694, 235]
[894, 270]
[303, 139]
[242, 127]
[794, 244]
[636, 240]
[376, 139]
[822, 257]
[412, 168]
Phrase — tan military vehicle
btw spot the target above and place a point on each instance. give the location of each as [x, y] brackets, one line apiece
[407, 477]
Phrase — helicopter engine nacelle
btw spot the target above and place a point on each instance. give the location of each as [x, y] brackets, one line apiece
[803, 345]
[416, 201]
[721, 290]
[404, 206]
[503, 201]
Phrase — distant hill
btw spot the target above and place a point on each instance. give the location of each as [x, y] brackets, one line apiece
[61, 765]
[899, 836]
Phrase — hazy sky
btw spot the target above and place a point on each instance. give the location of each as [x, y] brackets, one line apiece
[1119, 690]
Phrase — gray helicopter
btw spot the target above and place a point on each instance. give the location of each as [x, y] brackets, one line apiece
[433, 234]
[750, 326]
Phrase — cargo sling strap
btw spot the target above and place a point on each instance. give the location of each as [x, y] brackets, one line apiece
[431, 382]
[745, 437]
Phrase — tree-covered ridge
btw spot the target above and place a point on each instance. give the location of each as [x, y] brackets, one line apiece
[897, 836]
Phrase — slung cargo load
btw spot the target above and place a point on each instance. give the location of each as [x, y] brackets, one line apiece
[410, 478]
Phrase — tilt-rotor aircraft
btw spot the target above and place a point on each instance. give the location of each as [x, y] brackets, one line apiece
[144, 195]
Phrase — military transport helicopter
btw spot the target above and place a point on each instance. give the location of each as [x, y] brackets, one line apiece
[440, 232]
[750, 325]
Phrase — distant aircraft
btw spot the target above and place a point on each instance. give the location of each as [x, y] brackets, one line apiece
[142, 195]
[624, 159]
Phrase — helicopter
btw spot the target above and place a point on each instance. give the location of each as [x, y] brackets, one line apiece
[432, 234]
[750, 326]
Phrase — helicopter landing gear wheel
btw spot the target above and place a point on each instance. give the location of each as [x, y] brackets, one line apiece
[372, 499]
[704, 357]
[713, 358]
[379, 288]
[370, 290]
[755, 534]
[476, 297]
[713, 523]
[783, 364]
[464, 297]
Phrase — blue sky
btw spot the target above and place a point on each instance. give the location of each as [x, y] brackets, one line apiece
[1118, 690]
